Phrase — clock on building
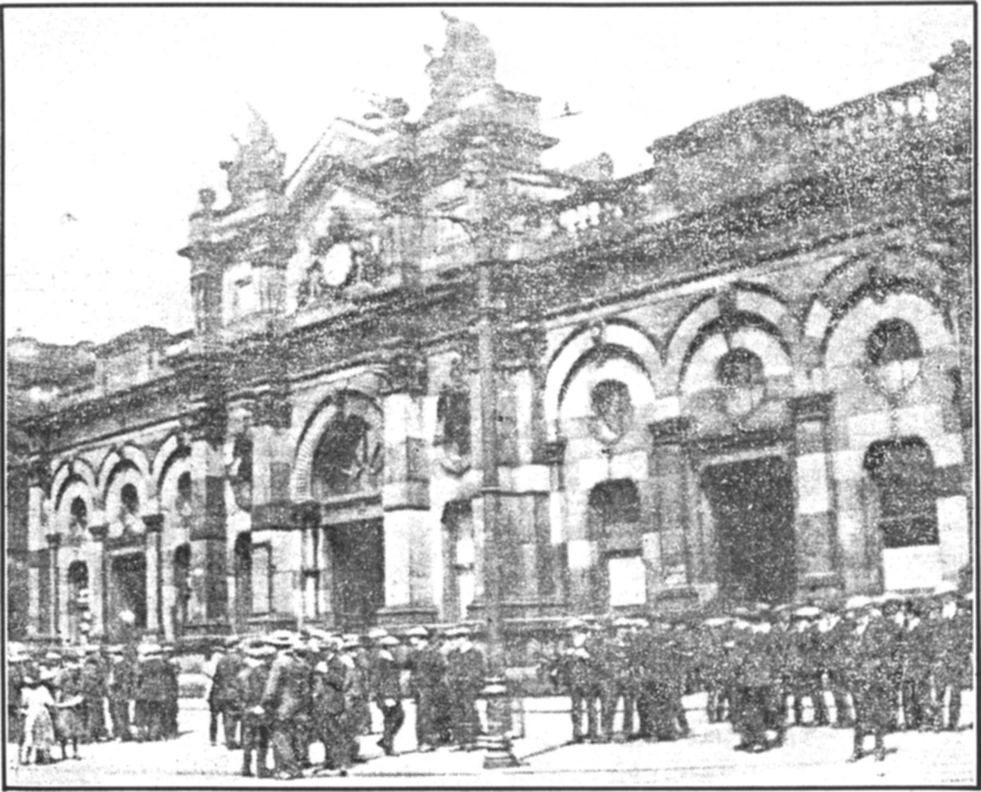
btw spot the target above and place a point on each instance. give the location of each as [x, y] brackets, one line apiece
[338, 264]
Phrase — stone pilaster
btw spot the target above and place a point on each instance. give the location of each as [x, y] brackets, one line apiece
[409, 584]
[154, 573]
[57, 595]
[665, 545]
[208, 608]
[818, 552]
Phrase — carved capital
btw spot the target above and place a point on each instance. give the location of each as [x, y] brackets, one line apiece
[306, 514]
[153, 522]
[669, 431]
[406, 372]
[39, 473]
[99, 532]
[553, 452]
[272, 408]
[208, 422]
[54, 540]
[812, 407]
[521, 348]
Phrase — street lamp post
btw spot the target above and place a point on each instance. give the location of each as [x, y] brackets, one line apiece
[495, 692]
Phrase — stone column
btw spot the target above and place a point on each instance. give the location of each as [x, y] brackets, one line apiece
[405, 496]
[154, 573]
[55, 627]
[98, 578]
[665, 545]
[818, 553]
[209, 602]
[39, 481]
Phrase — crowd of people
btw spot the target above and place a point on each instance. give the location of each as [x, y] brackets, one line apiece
[286, 691]
[88, 694]
[872, 665]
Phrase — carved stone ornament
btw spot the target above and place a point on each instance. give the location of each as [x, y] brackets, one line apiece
[406, 372]
[612, 411]
[258, 164]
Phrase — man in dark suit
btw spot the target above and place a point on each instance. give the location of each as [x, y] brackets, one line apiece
[331, 680]
[387, 691]
[222, 699]
[427, 685]
[875, 672]
[152, 686]
[251, 684]
[286, 701]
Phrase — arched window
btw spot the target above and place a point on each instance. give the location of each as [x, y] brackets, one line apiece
[184, 492]
[79, 615]
[79, 514]
[182, 587]
[348, 459]
[129, 498]
[614, 509]
[903, 473]
[614, 524]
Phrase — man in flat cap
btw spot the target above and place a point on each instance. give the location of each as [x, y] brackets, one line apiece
[286, 701]
[251, 684]
[465, 678]
[222, 699]
[427, 682]
[387, 691]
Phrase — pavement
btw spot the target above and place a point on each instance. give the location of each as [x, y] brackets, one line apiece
[810, 757]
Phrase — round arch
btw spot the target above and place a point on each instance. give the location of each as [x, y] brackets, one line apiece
[347, 402]
[577, 349]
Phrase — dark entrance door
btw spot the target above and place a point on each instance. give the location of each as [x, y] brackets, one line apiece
[753, 506]
[358, 552]
[128, 588]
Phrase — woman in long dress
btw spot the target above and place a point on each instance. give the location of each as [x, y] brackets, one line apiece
[38, 736]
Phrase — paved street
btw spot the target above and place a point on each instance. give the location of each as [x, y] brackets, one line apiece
[811, 757]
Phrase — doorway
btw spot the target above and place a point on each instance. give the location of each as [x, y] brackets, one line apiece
[128, 588]
[753, 507]
[358, 553]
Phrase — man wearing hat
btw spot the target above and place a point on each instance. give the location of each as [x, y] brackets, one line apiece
[221, 699]
[357, 715]
[426, 684]
[465, 678]
[251, 684]
[876, 669]
[152, 684]
[950, 663]
[19, 666]
[387, 691]
[573, 672]
[330, 681]
[94, 690]
[286, 701]
[918, 650]
[120, 688]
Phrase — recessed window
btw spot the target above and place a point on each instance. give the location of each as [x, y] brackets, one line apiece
[79, 513]
[130, 499]
[903, 473]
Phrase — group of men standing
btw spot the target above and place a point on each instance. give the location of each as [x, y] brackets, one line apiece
[288, 691]
[880, 664]
[97, 693]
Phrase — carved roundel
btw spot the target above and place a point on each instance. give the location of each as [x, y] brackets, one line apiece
[740, 373]
[612, 411]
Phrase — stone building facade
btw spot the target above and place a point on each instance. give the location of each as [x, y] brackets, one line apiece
[745, 373]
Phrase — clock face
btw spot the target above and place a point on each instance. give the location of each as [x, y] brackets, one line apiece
[338, 263]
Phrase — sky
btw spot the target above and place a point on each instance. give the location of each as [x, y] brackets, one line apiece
[114, 118]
